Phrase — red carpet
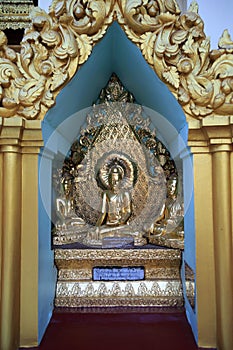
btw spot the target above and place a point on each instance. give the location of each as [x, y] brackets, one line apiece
[118, 330]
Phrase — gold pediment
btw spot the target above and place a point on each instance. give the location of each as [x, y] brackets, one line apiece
[173, 43]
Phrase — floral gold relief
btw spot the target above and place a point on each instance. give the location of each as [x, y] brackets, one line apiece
[55, 45]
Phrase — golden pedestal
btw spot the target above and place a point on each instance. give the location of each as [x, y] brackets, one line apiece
[160, 287]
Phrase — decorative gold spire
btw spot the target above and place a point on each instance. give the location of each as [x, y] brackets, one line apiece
[225, 42]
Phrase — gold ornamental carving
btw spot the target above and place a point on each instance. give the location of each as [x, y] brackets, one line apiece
[178, 50]
[55, 45]
[115, 256]
[110, 294]
[76, 286]
[118, 184]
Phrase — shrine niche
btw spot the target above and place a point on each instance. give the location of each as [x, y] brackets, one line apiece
[118, 211]
[174, 44]
[118, 184]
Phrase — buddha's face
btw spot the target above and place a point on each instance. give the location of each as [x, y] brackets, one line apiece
[66, 187]
[171, 187]
[114, 181]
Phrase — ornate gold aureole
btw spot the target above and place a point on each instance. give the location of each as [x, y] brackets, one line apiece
[161, 286]
[174, 44]
[144, 201]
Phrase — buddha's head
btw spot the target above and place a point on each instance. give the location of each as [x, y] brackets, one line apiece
[115, 177]
[172, 186]
[67, 185]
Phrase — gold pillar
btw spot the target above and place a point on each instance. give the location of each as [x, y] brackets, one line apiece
[31, 143]
[231, 171]
[19, 139]
[1, 233]
[205, 291]
[211, 143]
[223, 244]
[10, 269]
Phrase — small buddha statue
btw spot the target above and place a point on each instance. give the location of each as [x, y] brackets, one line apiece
[170, 224]
[65, 207]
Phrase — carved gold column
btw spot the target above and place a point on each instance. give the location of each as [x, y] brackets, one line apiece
[223, 239]
[20, 143]
[232, 191]
[11, 232]
[205, 266]
[1, 234]
[213, 185]
[31, 143]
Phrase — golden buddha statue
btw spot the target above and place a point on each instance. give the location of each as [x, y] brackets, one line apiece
[116, 204]
[168, 229]
[116, 208]
[119, 189]
[68, 219]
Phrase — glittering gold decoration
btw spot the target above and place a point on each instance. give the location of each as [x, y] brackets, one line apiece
[14, 14]
[164, 272]
[118, 257]
[118, 135]
[190, 285]
[75, 274]
[174, 44]
[52, 49]
[109, 294]
[161, 286]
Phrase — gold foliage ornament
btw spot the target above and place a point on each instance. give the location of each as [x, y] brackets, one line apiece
[176, 47]
[173, 43]
[52, 49]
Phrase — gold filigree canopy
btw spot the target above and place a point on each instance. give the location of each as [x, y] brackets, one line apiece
[173, 43]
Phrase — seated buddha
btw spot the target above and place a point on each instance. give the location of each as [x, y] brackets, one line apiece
[67, 218]
[170, 224]
[116, 210]
[116, 203]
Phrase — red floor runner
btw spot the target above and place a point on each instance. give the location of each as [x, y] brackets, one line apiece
[122, 331]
